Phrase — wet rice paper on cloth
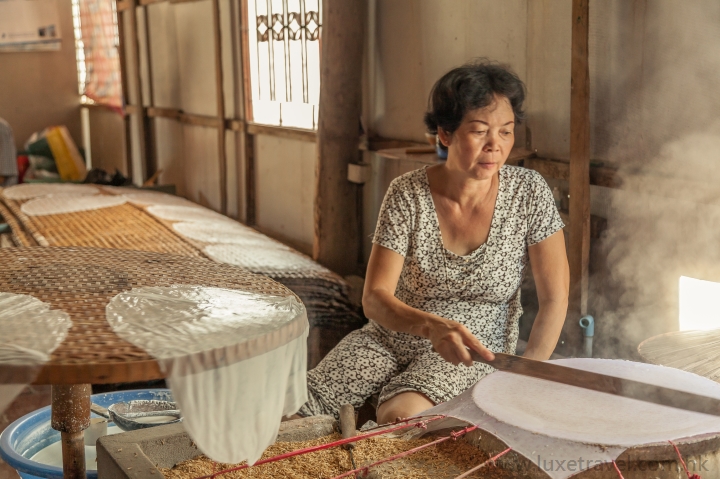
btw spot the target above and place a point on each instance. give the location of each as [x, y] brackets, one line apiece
[29, 332]
[235, 361]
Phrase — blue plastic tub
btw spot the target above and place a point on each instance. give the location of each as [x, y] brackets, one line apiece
[25, 437]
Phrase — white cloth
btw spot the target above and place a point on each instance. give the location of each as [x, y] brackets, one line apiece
[235, 360]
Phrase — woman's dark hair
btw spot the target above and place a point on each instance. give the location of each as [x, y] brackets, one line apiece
[470, 87]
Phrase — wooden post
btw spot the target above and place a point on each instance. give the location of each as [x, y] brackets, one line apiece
[248, 138]
[336, 227]
[140, 112]
[249, 179]
[220, 100]
[579, 251]
[150, 128]
[70, 415]
[124, 81]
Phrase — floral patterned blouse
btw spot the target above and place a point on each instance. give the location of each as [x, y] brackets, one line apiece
[482, 289]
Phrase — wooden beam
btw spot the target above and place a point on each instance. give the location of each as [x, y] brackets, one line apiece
[283, 132]
[579, 251]
[137, 83]
[121, 6]
[124, 83]
[150, 130]
[247, 114]
[150, 2]
[250, 211]
[220, 102]
[235, 125]
[336, 240]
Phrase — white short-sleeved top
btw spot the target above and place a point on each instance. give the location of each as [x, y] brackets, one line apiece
[482, 289]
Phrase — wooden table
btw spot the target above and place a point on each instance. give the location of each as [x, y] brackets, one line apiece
[81, 281]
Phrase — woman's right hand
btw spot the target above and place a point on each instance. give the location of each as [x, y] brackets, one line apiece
[451, 341]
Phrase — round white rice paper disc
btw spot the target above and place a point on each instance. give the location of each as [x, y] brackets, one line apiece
[582, 415]
[186, 213]
[60, 204]
[223, 232]
[29, 332]
[262, 258]
[33, 190]
[118, 190]
[175, 321]
[149, 198]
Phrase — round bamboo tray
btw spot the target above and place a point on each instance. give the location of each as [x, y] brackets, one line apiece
[81, 281]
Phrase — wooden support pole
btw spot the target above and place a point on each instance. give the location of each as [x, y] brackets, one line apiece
[124, 82]
[150, 129]
[70, 415]
[248, 138]
[579, 251]
[220, 100]
[336, 226]
[137, 83]
[250, 218]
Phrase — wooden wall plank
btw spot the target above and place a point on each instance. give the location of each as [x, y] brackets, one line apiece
[283, 132]
[579, 251]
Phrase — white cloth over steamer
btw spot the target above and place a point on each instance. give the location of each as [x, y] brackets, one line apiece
[29, 332]
[547, 421]
[235, 360]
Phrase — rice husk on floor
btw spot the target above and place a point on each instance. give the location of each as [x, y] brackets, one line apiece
[445, 460]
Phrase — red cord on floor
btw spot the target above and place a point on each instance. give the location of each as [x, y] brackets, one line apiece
[617, 469]
[489, 461]
[359, 437]
[682, 461]
[364, 470]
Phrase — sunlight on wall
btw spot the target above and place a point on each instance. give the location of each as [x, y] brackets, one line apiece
[699, 304]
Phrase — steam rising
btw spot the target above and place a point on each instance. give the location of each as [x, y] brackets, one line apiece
[657, 116]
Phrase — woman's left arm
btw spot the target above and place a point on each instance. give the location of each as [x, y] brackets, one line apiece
[549, 263]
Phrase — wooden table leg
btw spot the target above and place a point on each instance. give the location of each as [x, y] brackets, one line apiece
[71, 416]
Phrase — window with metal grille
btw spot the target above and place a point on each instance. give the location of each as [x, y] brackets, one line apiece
[96, 50]
[284, 60]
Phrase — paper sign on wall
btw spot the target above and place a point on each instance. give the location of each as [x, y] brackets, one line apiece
[29, 25]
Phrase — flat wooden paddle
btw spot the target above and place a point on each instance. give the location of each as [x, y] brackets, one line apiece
[602, 383]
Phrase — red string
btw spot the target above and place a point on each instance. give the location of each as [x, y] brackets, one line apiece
[359, 437]
[618, 470]
[677, 451]
[364, 469]
[491, 460]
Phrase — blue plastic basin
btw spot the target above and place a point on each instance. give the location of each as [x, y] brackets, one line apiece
[25, 437]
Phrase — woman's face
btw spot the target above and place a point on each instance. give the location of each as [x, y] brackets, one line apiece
[483, 141]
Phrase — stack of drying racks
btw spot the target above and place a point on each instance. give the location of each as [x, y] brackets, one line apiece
[71, 215]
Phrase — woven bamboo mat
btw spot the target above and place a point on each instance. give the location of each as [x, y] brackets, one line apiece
[20, 237]
[81, 281]
[122, 227]
[135, 227]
